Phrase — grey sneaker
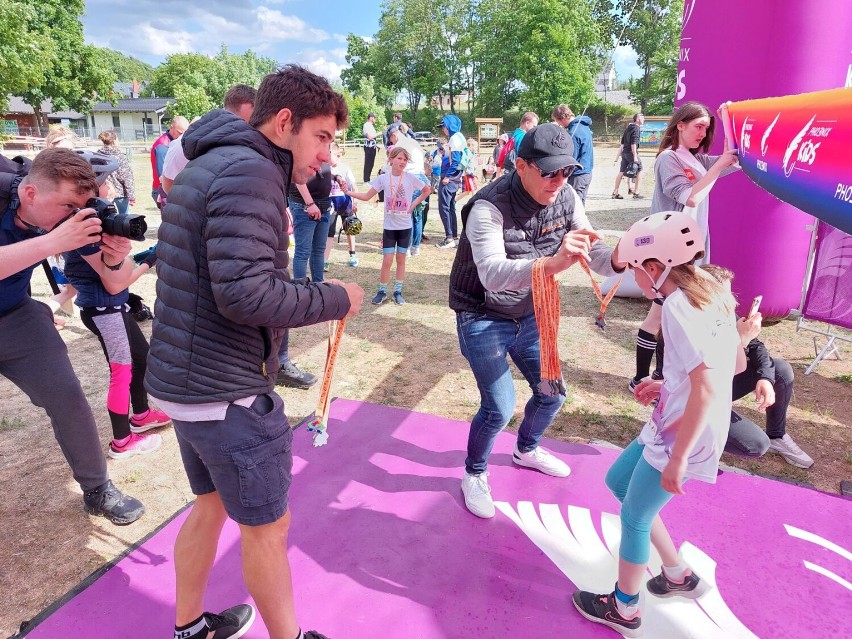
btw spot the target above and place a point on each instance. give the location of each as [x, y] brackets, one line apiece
[477, 495]
[229, 624]
[692, 586]
[108, 501]
[291, 375]
[447, 243]
[790, 451]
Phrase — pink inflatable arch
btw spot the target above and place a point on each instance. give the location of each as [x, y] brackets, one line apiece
[734, 50]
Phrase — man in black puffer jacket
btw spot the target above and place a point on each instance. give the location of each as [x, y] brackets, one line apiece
[224, 299]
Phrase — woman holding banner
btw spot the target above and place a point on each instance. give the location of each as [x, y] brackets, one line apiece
[684, 174]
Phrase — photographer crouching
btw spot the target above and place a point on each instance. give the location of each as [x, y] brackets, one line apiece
[43, 214]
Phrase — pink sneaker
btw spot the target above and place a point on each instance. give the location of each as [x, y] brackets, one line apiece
[148, 420]
[136, 445]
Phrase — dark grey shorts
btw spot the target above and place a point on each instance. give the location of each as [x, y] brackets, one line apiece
[246, 458]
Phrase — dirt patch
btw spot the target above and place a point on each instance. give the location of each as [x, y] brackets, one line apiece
[404, 356]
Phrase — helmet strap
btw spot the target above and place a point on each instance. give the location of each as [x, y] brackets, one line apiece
[659, 283]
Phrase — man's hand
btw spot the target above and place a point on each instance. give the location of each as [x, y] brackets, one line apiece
[78, 230]
[749, 328]
[355, 294]
[114, 248]
[445, 181]
[764, 394]
[575, 245]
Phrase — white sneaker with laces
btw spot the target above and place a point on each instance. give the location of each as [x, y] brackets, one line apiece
[790, 451]
[541, 460]
[477, 495]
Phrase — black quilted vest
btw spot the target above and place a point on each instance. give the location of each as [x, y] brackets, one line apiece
[529, 231]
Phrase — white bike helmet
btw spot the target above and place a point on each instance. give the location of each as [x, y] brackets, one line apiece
[670, 237]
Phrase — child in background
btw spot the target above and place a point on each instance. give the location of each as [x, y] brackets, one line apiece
[341, 177]
[400, 201]
[686, 434]
[105, 313]
[489, 169]
[471, 183]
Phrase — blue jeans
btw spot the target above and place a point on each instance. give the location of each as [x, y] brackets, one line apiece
[417, 226]
[638, 486]
[447, 208]
[485, 342]
[310, 236]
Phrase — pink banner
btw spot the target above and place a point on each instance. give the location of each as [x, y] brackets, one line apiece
[734, 50]
[830, 291]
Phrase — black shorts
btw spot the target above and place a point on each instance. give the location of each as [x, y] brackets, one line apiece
[396, 240]
[626, 162]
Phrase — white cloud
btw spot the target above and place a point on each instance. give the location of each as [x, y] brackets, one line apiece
[624, 60]
[322, 65]
[276, 25]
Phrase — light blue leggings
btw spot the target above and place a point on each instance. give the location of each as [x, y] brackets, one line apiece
[636, 484]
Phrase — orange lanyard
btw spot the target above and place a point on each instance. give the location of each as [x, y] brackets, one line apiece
[319, 425]
[545, 293]
[600, 320]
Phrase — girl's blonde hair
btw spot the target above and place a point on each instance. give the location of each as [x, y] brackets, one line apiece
[398, 150]
[704, 286]
[473, 145]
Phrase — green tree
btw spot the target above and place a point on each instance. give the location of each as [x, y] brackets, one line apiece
[74, 73]
[360, 106]
[365, 63]
[24, 54]
[187, 69]
[126, 68]
[191, 102]
[652, 29]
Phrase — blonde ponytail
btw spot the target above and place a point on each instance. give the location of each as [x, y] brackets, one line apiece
[705, 287]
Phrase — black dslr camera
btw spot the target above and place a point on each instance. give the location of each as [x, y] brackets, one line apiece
[126, 225]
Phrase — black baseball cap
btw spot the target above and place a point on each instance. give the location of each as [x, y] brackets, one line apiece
[549, 146]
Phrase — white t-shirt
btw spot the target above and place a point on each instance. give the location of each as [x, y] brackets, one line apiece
[175, 160]
[399, 194]
[692, 337]
[369, 133]
[341, 169]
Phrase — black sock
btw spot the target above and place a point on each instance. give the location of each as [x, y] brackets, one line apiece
[191, 629]
[646, 344]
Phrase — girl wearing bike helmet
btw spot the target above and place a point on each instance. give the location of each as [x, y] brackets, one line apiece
[687, 431]
[684, 174]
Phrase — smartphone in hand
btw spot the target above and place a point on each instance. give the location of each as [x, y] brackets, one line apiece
[755, 306]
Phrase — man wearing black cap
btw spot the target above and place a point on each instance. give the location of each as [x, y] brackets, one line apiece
[529, 214]
[369, 146]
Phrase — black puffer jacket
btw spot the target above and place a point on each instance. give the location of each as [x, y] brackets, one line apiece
[224, 295]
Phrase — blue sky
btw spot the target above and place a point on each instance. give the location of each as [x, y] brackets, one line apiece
[310, 32]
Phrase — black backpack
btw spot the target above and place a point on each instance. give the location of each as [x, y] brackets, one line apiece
[10, 170]
[17, 167]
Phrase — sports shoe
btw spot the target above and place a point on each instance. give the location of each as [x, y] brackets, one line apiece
[398, 298]
[353, 261]
[136, 445]
[151, 418]
[790, 451]
[415, 251]
[108, 501]
[602, 609]
[692, 586]
[380, 297]
[447, 243]
[138, 309]
[424, 237]
[229, 624]
[632, 384]
[541, 460]
[617, 196]
[291, 375]
[477, 495]
[313, 634]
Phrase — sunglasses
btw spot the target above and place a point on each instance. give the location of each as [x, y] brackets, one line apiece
[565, 172]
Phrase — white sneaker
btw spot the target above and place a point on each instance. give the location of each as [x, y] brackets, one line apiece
[790, 451]
[477, 495]
[415, 250]
[541, 460]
